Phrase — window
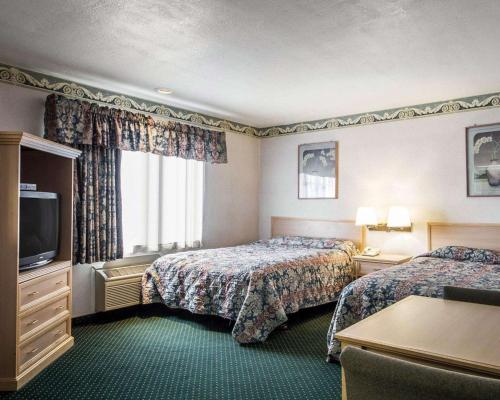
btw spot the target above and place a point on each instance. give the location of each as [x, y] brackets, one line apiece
[162, 202]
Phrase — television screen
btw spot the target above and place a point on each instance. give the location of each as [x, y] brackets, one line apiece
[38, 227]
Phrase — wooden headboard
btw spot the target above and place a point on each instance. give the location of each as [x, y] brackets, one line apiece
[485, 236]
[346, 230]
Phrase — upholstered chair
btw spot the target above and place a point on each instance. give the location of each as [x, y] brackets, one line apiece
[371, 376]
[481, 296]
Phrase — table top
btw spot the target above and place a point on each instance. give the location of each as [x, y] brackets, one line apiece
[455, 333]
[384, 258]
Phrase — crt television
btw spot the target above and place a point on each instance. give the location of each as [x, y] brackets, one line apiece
[38, 228]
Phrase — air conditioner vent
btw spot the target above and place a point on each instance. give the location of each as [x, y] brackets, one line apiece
[125, 295]
[119, 286]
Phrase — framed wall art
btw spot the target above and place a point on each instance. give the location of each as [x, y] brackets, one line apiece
[483, 160]
[318, 170]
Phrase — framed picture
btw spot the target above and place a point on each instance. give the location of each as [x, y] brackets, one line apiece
[483, 160]
[318, 170]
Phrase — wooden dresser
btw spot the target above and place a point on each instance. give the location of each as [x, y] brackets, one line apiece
[35, 309]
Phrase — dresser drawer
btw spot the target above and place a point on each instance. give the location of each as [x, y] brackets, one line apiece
[369, 267]
[38, 288]
[41, 344]
[37, 318]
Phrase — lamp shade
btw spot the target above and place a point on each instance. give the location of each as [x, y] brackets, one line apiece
[398, 217]
[366, 216]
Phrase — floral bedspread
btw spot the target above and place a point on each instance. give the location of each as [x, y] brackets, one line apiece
[425, 275]
[256, 285]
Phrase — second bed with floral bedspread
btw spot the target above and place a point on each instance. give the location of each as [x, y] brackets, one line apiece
[425, 275]
[255, 285]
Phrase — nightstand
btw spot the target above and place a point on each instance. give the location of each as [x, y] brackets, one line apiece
[366, 264]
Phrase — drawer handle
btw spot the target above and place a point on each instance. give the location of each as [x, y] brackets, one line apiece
[35, 350]
[59, 282]
[35, 321]
[59, 307]
[58, 332]
[33, 293]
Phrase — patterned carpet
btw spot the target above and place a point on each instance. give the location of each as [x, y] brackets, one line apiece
[155, 353]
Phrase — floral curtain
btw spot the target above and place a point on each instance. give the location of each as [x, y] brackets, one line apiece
[76, 122]
[97, 212]
[101, 133]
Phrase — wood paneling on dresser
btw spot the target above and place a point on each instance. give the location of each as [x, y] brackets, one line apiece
[35, 309]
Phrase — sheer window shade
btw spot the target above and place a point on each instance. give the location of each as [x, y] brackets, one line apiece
[162, 202]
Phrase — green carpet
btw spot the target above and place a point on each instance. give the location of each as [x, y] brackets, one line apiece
[155, 353]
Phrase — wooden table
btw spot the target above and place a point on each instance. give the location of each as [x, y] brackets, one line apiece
[450, 334]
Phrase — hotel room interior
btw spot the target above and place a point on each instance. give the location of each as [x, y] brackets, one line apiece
[231, 199]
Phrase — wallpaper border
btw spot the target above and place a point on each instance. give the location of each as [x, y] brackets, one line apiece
[24, 77]
[471, 103]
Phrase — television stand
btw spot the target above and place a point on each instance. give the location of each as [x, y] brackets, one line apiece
[35, 311]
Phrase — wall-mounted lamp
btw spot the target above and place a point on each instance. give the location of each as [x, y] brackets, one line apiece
[366, 216]
[398, 219]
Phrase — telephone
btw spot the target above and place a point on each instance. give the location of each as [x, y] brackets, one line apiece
[371, 251]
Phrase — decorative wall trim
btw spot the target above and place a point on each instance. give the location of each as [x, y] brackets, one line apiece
[396, 114]
[23, 77]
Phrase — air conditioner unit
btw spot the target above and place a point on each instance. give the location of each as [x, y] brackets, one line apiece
[118, 283]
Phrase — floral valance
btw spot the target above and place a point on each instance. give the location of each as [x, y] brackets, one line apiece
[76, 122]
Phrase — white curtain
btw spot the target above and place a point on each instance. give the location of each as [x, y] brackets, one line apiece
[162, 201]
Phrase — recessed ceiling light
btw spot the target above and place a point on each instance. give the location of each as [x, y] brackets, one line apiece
[163, 90]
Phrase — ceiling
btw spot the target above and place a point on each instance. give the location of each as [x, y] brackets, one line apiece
[263, 62]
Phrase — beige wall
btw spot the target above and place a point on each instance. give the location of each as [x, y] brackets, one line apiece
[231, 210]
[417, 163]
[21, 109]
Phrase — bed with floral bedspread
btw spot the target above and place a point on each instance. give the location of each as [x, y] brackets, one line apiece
[255, 285]
[425, 275]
